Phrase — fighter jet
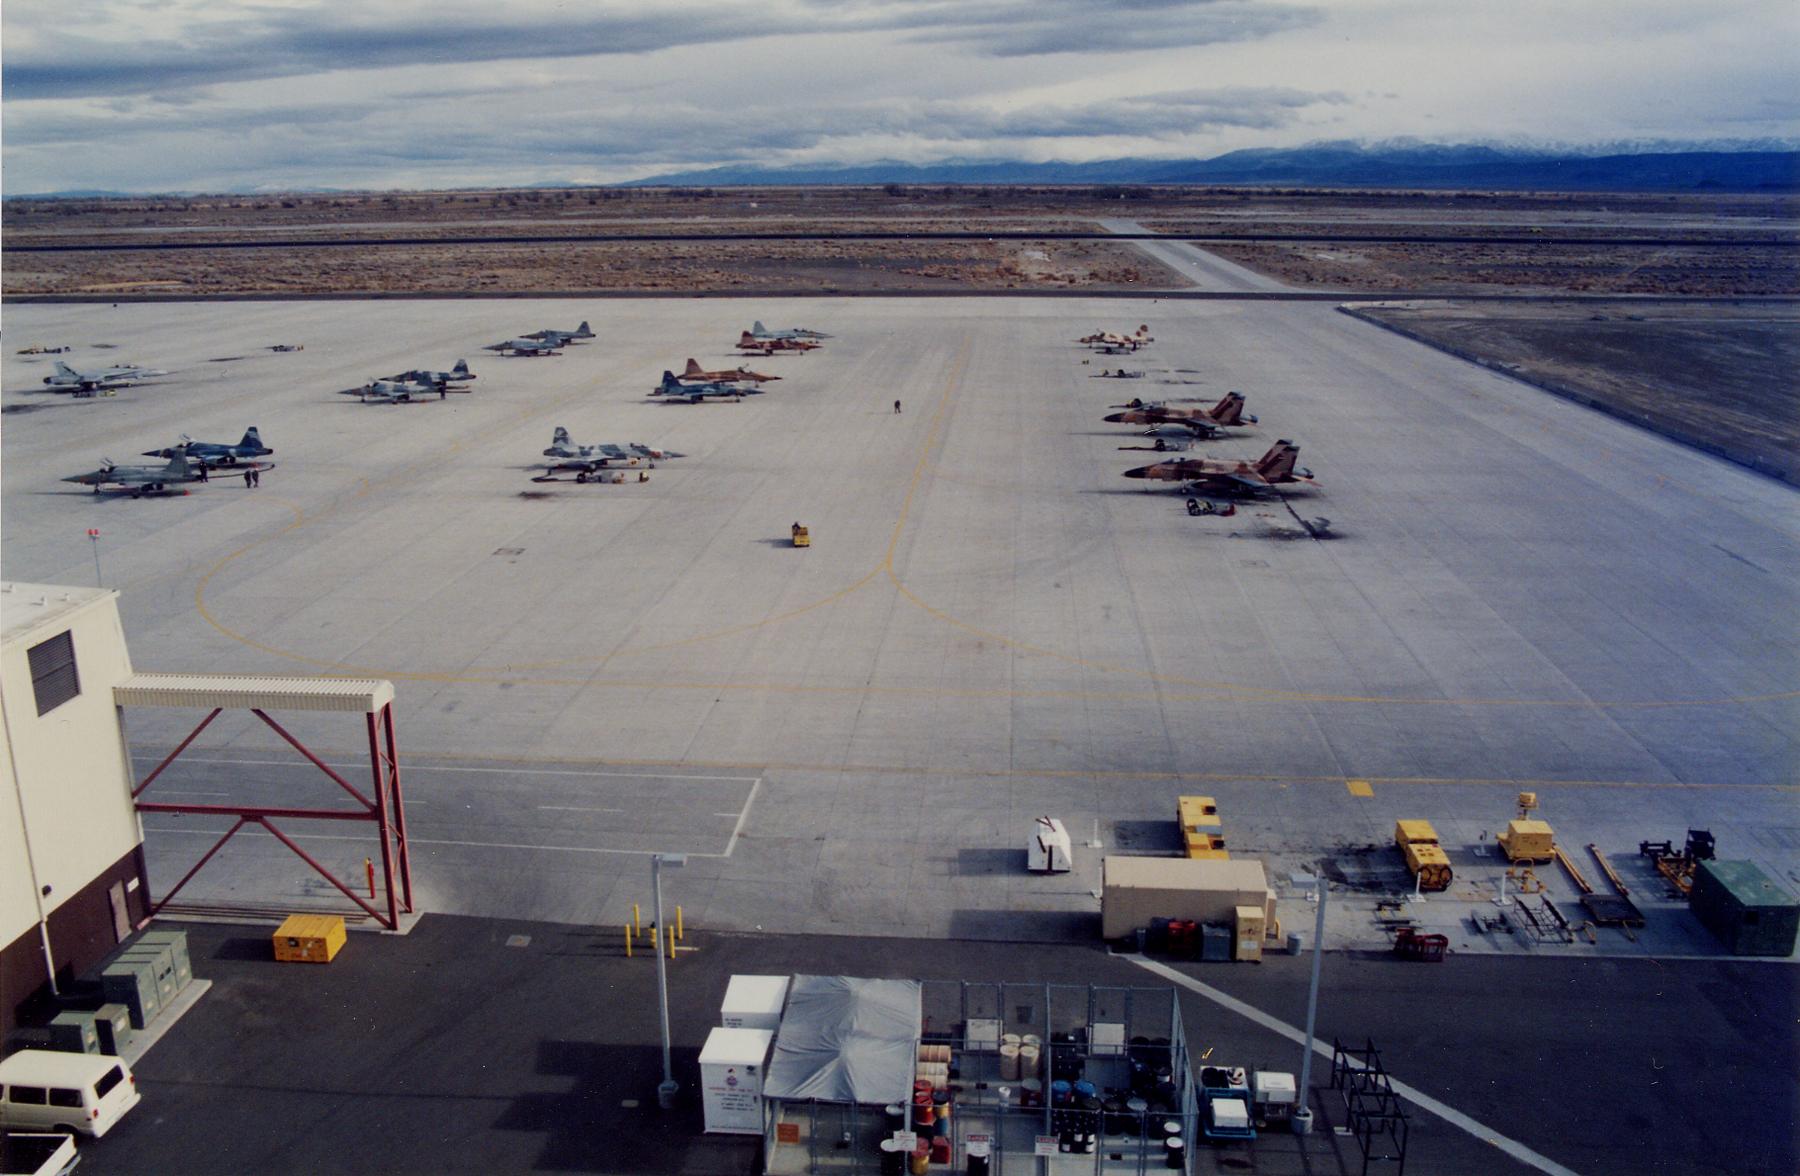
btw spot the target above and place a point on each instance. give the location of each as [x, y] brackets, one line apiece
[142, 479]
[1205, 422]
[397, 391]
[215, 453]
[752, 345]
[674, 389]
[525, 346]
[562, 338]
[758, 331]
[112, 377]
[1215, 476]
[730, 374]
[40, 349]
[1113, 344]
[589, 459]
[456, 375]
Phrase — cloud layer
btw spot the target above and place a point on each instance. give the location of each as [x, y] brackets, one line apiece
[201, 94]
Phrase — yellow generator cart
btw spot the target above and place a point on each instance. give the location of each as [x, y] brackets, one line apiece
[1202, 837]
[802, 536]
[1527, 840]
[1418, 842]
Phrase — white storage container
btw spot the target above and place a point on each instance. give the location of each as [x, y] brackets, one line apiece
[1230, 1114]
[732, 1065]
[1047, 849]
[754, 1002]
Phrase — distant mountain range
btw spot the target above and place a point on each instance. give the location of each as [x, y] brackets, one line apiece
[1327, 165]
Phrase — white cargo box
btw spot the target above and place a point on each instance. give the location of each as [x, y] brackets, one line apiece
[732, 1065]
[1230, 1114]
[1274, 1089]
[754, 1002]
[1047, 850]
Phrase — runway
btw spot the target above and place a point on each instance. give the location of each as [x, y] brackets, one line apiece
[991, 623]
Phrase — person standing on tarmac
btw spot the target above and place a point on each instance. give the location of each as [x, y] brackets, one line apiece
[896, 408]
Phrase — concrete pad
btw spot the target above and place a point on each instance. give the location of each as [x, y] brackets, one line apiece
[991, 625]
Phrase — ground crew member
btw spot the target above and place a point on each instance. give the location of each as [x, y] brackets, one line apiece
[896, 408]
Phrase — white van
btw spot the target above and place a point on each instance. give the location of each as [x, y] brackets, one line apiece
[42, 1090]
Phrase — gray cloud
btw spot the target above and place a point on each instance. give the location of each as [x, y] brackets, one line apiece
[264, 43]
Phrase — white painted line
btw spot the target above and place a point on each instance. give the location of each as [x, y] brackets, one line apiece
[572, 808]
[1454, 1117]
[743, 816]
[407, 769]
[430, 841]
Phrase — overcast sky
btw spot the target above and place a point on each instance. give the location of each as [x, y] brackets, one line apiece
[210, 95]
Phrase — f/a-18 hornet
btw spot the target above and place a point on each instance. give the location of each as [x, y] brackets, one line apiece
[1205, 422]
[1111, 343]
[731, 375]
[562, 338]
[216, 453]
[589, 459]
[674, 389]
[758, 331]
[526, 346]
[1225, 477]
[751, 345]
[68, 378]
[142, 479]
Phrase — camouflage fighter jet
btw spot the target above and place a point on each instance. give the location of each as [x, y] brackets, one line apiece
[738, 374]
[525, 346]
[457, 375]
[562, 338]
[1206, 422]
[142, 479]
[1113, 344]
[674, 389]
[1224, 476]
[85, 383]
[397, 391]
[751, 345]
[591, 459]
[216, 453]
[758, 331]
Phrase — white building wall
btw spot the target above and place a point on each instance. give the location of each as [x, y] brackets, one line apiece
[67, 769]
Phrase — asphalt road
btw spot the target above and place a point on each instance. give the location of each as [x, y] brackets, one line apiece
[477, 1045]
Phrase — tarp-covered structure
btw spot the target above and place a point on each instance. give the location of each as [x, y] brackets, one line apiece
[847, 1040]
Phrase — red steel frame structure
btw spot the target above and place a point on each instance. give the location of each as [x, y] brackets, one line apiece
[386, 811]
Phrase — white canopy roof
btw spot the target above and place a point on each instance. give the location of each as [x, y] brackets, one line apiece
[847, 1040]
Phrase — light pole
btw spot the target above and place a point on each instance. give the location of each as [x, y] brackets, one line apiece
[1303, 1116]
[665, 1093]
[94, 539]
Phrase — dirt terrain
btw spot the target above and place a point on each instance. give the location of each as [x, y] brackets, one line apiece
[1454, 242]
[1720, 378]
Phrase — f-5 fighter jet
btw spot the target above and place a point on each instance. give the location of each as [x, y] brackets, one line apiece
[397, 391]
[758, 331]
[1113, 344]
[1206, 422]
[457, 375]
[674, 389]
[214, 453]
[1215, 476]
[750, 344]
[737, 374]
[589, 459]
[142, 479]
[526, 346]
[562, 338]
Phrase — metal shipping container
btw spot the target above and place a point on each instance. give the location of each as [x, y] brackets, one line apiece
[1750, 914]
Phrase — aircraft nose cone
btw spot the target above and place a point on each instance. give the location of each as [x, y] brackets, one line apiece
[1117, 418]
[1140, 472]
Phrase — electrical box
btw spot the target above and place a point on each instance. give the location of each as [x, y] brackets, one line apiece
[754, 1002]
[1526, 840]
[132, 984]
[113, 1024]
[309, 939]
[1745, 908]
[1251, 921]
[1276, 1096]
[732, 1066]
[1047, 848]
[74, 1033]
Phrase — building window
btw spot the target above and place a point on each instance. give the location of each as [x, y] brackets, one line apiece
[53, 677]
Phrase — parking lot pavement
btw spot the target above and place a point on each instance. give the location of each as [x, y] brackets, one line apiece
[488, 1045]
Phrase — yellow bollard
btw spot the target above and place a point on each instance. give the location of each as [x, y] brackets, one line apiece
[678, 934]
[635, 924]
[671, 947]
[628, 941]
[653, 940]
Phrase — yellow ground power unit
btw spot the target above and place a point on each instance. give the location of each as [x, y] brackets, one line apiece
[1526, 840]
[1418, 843]
[1202, 837]
[309, 939]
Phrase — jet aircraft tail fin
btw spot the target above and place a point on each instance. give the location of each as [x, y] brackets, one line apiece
[1278, 462]
[461, 370]
[252, 439]
[560, 437]
[1229, 410]
[693, 369]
